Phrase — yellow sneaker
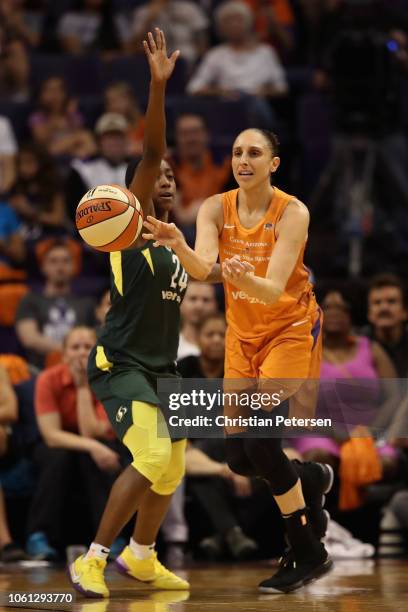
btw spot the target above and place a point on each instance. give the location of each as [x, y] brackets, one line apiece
[149, 570]
[87, 577]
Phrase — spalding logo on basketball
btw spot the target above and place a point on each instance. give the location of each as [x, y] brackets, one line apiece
[109, 218]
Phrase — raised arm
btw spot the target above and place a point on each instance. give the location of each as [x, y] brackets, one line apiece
[154, 145]
[292, 234]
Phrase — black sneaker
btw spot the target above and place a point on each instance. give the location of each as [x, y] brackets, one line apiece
[317, 480]
[292, 575]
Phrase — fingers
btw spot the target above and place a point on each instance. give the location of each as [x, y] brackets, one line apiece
[159, 38]
[163, 41]
[152, 43]
[147, 236]
[174, 57]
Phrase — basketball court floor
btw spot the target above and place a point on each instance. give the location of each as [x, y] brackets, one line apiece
[353, 586]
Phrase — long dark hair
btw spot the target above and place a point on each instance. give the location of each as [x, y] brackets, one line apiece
[44, 186]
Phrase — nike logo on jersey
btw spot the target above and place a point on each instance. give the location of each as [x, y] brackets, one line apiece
[228, 226]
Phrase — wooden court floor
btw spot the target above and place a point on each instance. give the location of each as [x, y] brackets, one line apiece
[353, 586]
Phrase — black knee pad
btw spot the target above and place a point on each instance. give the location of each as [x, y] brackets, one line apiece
[271, 463]
[237, 458]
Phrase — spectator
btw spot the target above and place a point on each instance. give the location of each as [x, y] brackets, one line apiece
[57, 124]
[9, 551]
[43, 319]
[120, 99]
[8, 150]
[184, 22]
[36, 195]
[15, 72]
[12, 259]
[77, 436]
[347, 357]
[199, 302]
[90, 28]
[241, 64]
[20, 22]
[387, 315]
[108, 167]
[197, 174]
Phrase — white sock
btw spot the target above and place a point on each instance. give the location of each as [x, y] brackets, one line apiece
[97, 550]
[141, 551]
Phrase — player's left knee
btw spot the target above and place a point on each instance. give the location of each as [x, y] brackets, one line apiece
[173, 476]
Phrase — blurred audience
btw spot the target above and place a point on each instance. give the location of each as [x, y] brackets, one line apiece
[352, 359]
[102, 307]
[198, 176]
[36, 194]
[43, 319]
[241, 64]
[92, 27]
[78, 445]
[57, 123]
[120, 99]
[387, 314]
[199, 302]
[106, 168]
[8, 151]
[183, 21]
[20, 22]
[274, 23]
[15, 72]
[9, 550]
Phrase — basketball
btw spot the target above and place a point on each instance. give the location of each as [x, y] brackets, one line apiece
[109, 218]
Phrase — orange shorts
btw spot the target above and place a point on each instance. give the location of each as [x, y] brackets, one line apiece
[289, 362]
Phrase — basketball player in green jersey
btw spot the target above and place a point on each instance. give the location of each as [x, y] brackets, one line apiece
[136, 347]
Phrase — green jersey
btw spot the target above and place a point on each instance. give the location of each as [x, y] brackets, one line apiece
[143, 323]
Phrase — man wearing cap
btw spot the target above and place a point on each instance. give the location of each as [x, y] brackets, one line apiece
[107, 168]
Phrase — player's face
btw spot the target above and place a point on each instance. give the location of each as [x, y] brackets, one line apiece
[252, 160]
[337, 318]
[78, 345]
[198, 303]
[386, 308]
[212, 339]
[164, 192]
[58, 266]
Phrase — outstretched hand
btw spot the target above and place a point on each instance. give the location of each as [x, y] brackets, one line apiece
[163, 234]
[161, 66]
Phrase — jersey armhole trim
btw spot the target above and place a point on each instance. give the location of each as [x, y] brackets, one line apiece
[146, 253]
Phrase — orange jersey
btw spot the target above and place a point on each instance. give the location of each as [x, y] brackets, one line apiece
[249, 318]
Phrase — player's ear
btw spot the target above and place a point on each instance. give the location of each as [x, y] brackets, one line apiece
[275, 163]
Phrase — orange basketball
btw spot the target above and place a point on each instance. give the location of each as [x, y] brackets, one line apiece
[109, 218]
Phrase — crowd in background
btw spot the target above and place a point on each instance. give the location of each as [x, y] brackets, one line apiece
[73, 84]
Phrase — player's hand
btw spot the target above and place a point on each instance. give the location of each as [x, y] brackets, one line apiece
[105, 458]
[233, 269]
[163, 234]
[161, 66]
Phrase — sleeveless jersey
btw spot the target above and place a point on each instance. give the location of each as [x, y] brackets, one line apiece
[143, 323]
[248, 317]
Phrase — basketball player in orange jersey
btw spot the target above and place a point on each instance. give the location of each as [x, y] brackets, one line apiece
[274, 331]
